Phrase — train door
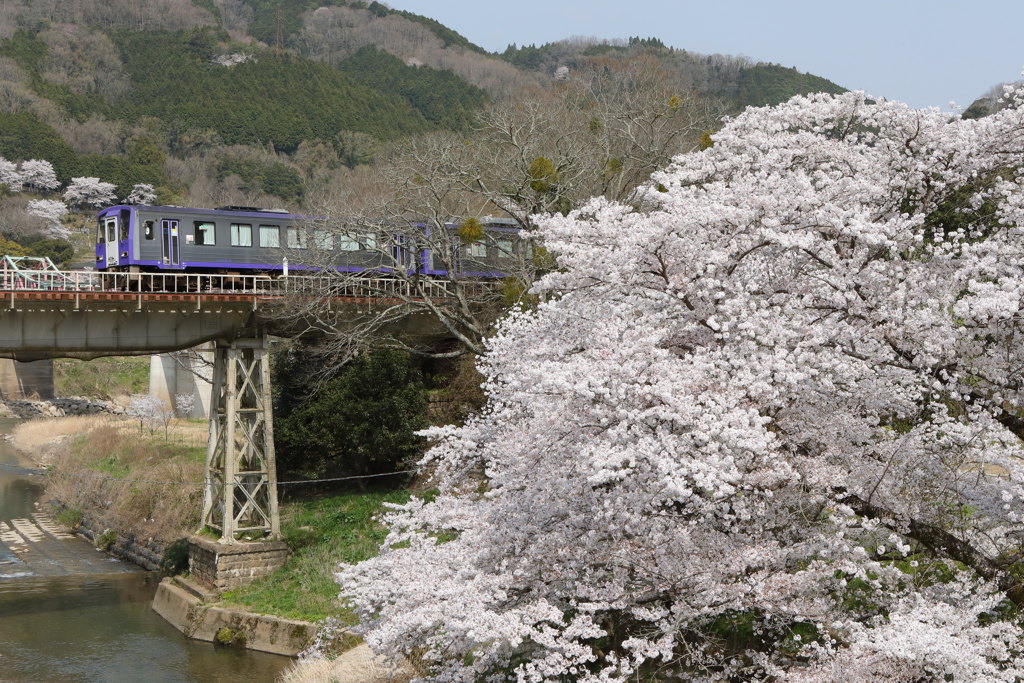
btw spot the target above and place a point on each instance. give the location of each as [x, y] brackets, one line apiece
[108, 228]
[124, 244]
[170, 245]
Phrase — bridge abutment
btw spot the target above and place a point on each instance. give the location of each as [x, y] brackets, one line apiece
[183, 373]
[32, 380]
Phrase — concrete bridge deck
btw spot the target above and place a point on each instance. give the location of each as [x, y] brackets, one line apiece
[86, 314]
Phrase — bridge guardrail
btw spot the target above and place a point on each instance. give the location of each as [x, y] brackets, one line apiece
[255, 285]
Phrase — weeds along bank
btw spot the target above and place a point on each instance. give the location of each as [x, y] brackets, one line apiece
[107, 472]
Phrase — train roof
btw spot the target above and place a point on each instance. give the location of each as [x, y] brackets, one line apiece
[219, 211]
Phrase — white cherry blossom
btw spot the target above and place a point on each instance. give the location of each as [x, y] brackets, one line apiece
[767, 424]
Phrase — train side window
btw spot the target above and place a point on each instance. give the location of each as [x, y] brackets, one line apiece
[241, 235]
[369, 241]
[322, 239]
[205, 233]
[149, 230]
[296, 237]
[504, 248]
[270, 235]
[478, 249]
[349, 242]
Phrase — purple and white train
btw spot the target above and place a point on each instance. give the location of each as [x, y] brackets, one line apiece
[247, 240]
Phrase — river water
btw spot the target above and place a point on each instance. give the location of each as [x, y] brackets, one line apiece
[71, 614]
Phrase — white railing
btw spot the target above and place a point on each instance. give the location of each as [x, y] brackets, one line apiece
[256, 285]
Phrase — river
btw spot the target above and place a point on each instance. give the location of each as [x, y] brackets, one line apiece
[71, 614]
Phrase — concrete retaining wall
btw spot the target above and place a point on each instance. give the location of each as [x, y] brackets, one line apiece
[185, 610]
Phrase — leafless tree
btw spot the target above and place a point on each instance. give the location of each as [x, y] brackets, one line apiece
[83, 60]
[467, 201]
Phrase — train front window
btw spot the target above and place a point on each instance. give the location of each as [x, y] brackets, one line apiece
[205, 233]
[270, 236]
[241, 235]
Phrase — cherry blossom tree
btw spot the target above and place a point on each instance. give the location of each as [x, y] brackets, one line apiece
[540, 155]
[51, 211]
[185, 405]
[38, 174]
[148, 410]
[10, 177]
[89, 192]
[765, 425]
[142, 193]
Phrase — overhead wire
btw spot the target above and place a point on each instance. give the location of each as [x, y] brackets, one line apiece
[29, 471]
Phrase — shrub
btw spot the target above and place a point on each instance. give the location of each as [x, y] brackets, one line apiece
[175, 559]
[105, 539]
[362, 421]
[70, 517]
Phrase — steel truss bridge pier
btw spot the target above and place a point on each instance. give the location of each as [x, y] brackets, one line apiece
[53, 314]
[241, 472]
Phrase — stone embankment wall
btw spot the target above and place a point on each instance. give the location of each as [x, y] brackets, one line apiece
[229, 566]
[144, 552]
[58, 407]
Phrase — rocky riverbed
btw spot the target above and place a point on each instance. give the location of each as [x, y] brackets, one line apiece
[59, 407]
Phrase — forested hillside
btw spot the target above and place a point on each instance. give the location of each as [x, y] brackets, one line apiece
[279, 102]
[737, 80]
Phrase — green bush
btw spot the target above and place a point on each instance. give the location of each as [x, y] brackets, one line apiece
[361, 421]
[105, 539]
[60, 251]
[70, 517]
[175, 559]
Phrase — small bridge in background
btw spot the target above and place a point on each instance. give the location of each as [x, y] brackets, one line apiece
[47, 313]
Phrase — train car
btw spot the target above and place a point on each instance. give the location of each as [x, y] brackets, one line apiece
[494, 255]
[224, 240]
[247, 240]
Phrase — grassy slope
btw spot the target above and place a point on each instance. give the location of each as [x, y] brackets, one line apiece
[110, 467]
[322, 533]
[102, 378]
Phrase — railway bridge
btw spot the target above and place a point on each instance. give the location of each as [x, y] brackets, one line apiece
[85, 314]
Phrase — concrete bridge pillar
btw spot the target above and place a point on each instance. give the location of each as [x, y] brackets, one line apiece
[241, 470]
[19, 380]
[187, 372]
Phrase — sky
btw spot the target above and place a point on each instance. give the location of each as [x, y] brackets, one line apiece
[924, 53]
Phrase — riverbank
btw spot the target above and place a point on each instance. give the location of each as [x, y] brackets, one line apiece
[146, 487]
[111, 473]
[69, 612]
